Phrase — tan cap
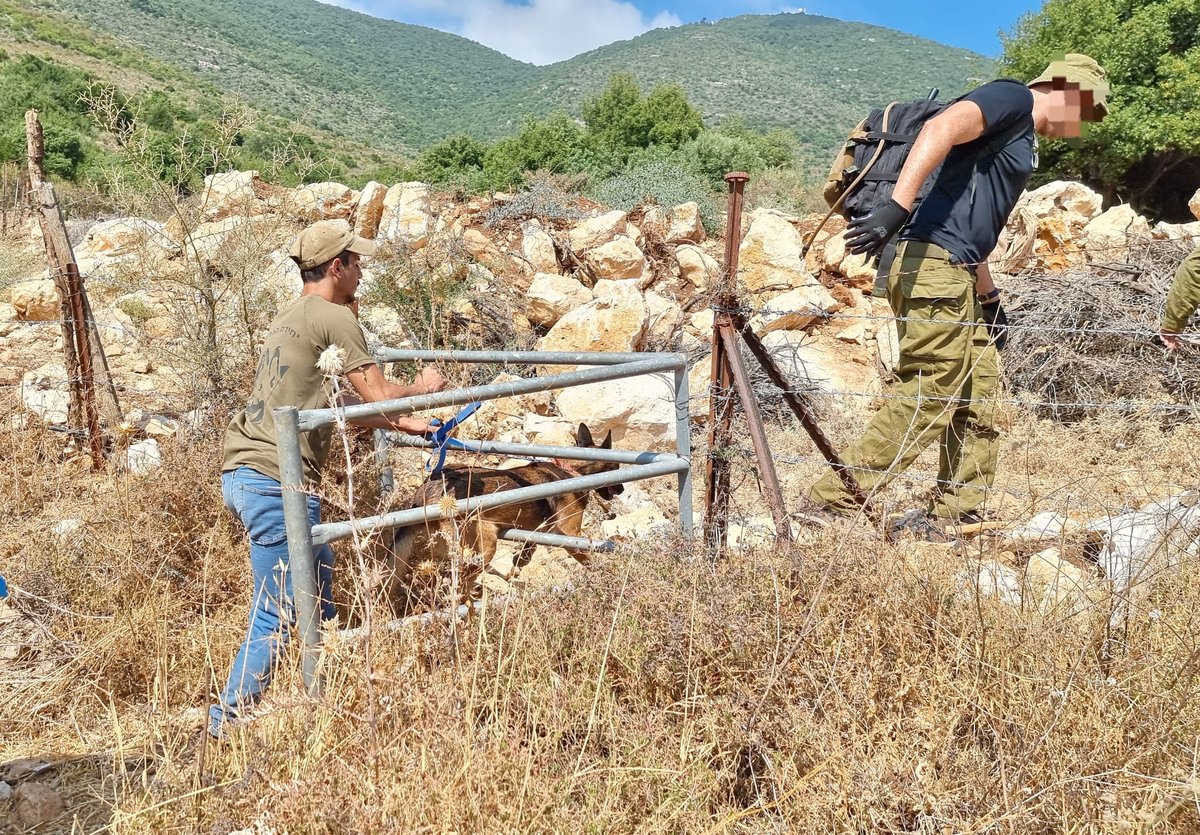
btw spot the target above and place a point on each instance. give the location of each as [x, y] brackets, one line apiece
[326, 240]
[1082, 70]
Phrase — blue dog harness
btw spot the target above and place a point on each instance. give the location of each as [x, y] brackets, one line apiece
[443, 443]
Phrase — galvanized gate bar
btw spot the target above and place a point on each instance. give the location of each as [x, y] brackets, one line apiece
[316, 418]
[573, 453]
[301, 563]
[683, 447]
[579, 543]
[333, 531]
[519, 357]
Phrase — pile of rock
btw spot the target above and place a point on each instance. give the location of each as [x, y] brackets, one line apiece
[608, 280]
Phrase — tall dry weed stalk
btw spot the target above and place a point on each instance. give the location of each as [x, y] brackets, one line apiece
[843, 685]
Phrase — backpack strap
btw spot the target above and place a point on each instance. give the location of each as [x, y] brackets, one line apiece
[861, 178]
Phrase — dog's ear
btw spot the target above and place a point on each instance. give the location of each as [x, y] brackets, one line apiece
[583, 436]
[607, 441]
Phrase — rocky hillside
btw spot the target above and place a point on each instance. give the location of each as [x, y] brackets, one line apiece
[510, 270]
[397, 86]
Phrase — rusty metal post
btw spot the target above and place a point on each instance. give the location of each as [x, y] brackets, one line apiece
[720, 429]
[800, 408]
[84, 352]
[758, 434]
[733, 242]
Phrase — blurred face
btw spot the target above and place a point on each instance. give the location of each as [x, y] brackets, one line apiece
[1069, 108]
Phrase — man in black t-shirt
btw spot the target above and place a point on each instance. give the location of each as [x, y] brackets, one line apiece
[948, 313]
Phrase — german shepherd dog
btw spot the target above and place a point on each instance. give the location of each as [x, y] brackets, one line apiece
[430, 544]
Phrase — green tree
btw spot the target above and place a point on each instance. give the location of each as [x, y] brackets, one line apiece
[554, 144]
[673, 120]
[616, 119]
[452, 159]
[620, 121]
[1147, 150]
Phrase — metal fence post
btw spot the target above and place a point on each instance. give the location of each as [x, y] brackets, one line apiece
[387, 476]
[683, 445]
[301, 563]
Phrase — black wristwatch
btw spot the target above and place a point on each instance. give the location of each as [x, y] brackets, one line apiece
[984, 298]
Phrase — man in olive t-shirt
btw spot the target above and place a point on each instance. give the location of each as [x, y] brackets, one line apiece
[328, 255]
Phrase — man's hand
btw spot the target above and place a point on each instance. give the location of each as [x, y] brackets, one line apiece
[1170, 341]
[413, 426]
[429, 380]
[869, 233]
[997, 323]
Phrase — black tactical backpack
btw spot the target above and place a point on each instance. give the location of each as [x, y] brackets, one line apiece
[865, 170]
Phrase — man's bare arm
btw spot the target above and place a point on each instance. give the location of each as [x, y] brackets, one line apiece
[960, 122]
[411, 425]
[371, 387]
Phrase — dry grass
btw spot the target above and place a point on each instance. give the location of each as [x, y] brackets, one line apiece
[844, 685]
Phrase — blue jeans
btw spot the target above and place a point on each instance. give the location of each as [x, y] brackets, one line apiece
[257, 501]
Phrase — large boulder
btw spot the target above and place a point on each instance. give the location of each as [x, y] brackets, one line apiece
[46, 393]
[616, 260]
[537, 248]
[858, 270]
[1187, 233]
[406, 215]
[663, 319]
[597, 231]
[551, 296]
[1107, 237]
[697, 267]
[794, 310]
[480, 247]
[828, 369]
[615, 321]
[1194, 204]
[124, 236]
[1065, 197]
[233, 193]
[236, 242]
[323, 201]
[639, 411]
[769, 258]
[36, 300]
[686, 226]
[369, 209]
[1045, 227]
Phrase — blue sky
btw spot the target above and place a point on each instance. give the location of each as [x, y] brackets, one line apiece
[545, 31]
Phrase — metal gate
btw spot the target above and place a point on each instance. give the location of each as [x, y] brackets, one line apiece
[290, 422]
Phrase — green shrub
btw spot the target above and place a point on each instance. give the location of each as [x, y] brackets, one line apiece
[658, 181]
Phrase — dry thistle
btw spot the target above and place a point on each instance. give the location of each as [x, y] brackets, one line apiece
[448, 506]
[331, 360]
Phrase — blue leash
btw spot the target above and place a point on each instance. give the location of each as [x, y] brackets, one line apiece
[444, 443]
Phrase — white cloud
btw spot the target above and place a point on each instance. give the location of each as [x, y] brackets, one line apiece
[545, 31]
[537, 31]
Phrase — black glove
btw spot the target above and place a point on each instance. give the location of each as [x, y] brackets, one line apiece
[869, 233]
[997, 323]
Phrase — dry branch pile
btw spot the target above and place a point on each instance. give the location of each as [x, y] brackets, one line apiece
[1087, 337]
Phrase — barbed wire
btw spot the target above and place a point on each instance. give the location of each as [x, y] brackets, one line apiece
[1131, 244]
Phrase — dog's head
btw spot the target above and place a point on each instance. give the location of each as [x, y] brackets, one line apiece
[583, 438]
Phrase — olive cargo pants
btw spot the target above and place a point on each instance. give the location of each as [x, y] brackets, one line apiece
[946, 379]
